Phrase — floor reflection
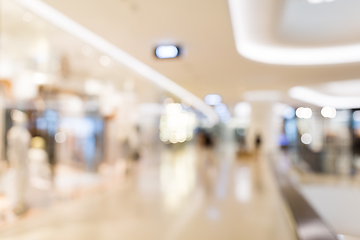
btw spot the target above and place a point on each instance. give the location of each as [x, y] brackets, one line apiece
[243, 184]
[177, 175]
[175, 193]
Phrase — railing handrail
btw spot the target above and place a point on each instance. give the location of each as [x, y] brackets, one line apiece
[309, 225]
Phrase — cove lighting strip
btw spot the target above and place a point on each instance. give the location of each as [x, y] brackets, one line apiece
[314, 97]
[257, 50]
[68, 25]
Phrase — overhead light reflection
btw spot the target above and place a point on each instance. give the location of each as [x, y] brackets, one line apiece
[328, 112]
[17, 115]
[306, 138]
[242, 109]
[40, 78]
[93, 87]
[243, 185]
[177, 178]
[60, 137]
[213, 99]
[105, 61]
[302, 112]
[356, 115]
[177, 125]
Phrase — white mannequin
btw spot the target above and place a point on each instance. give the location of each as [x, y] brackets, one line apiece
[39, 174]
[18, 139]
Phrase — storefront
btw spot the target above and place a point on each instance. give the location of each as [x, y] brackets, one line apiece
[68, 113]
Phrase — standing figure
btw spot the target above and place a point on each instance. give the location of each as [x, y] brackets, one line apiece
[40, 183]
[18, 141]
[258, 142]
[257, 168]
[133, 150]
[208, 168]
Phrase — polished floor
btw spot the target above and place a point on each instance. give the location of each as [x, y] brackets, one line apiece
[176, 193]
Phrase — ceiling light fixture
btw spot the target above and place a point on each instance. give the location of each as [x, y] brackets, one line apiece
[167, 51]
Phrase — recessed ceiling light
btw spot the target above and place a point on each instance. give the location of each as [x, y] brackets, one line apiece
[167, 51]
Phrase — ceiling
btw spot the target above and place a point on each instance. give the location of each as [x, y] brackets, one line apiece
[210, 63]
[39, 47]
[336, 22]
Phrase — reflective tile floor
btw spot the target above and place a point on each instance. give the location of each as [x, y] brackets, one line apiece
[178, 193]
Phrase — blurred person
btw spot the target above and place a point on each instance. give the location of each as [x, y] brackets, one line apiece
[257, 142]
[132, 149]
[39, 174]
[257, 174]
[207, 164]
[206, 140]
[18, 140]
[240, 134]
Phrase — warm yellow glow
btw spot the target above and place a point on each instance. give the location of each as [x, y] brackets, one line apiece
[177, 125]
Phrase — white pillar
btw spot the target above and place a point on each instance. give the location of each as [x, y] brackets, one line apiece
[263, 120]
